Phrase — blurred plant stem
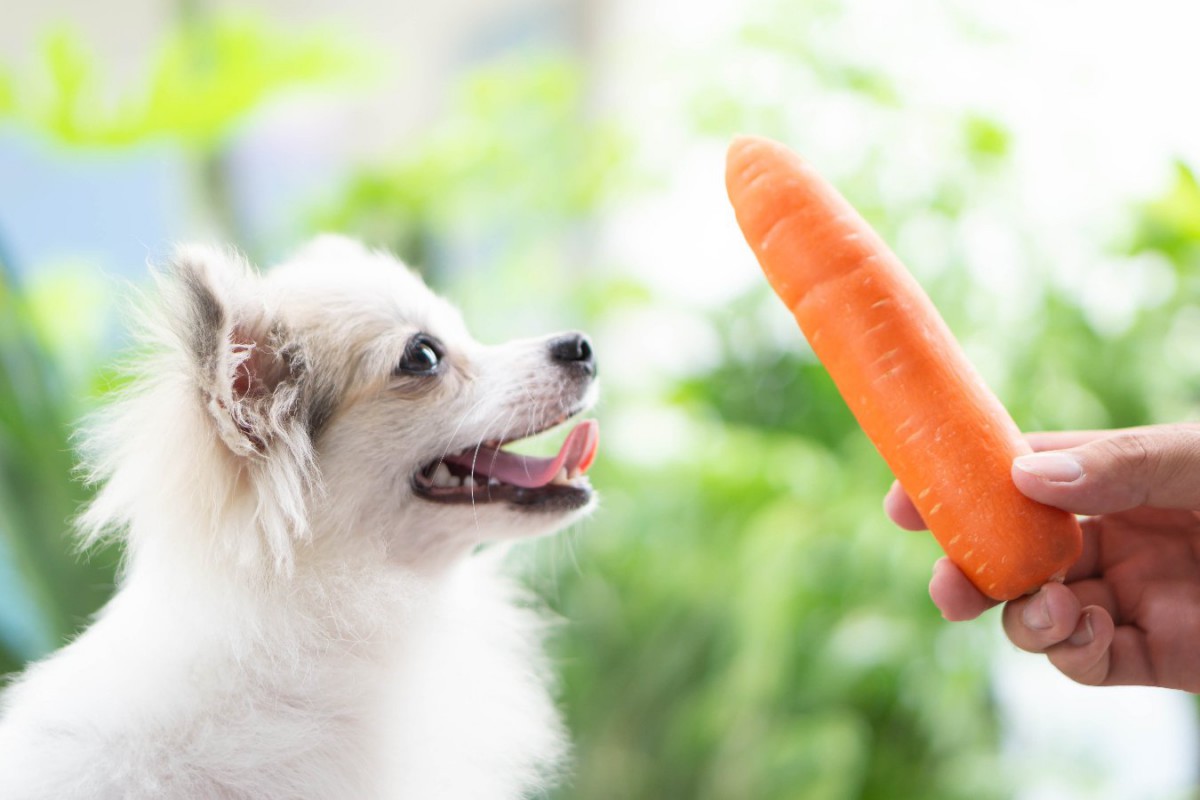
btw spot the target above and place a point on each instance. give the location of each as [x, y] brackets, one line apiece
[215, 196]
[38, 496]
[212, 189]
[190, 12]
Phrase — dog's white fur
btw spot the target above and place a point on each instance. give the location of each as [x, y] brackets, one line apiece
[291, 621]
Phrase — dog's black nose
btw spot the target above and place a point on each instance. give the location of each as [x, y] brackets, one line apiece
[574, 350]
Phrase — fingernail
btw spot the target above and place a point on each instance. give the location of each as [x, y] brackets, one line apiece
[1083, 632]
[1053, 467]
[1036, 614]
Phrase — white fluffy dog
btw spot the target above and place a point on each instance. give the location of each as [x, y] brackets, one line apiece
[302, 473]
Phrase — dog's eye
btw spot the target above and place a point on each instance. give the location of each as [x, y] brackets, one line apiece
[421, 357]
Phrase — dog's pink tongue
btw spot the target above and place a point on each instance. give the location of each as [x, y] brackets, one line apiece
[577, 453]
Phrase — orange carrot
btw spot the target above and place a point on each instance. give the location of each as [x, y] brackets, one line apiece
[944, 434]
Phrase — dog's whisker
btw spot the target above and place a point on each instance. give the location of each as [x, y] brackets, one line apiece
[463, 418]
[496, 453]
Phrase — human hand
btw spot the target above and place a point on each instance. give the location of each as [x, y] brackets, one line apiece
[1128, 611]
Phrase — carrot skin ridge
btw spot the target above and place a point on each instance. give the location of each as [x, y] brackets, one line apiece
[945, 435]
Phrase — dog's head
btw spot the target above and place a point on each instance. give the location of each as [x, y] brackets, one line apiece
[337, 403]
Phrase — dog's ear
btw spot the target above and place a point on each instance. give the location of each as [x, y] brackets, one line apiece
[247, 370]
[219, 419]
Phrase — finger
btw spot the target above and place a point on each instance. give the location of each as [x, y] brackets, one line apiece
[1086, 655]
[1042, 620]
[901, 510]
[1063, 440]
[1168, 611]
[1088, 563]
[1097, 592]
[1115, 655]
[1155, 466]
[954, 595]
[1129, 659]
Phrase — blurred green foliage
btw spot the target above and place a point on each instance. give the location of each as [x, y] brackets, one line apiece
[1171, 224]
[513, 163]
[740, 626]
[204, 79]
[742, 621]
[38, 408]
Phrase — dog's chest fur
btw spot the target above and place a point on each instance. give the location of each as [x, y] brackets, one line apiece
[437, 692]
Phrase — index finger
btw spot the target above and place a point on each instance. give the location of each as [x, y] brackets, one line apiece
[1088, 563]
[1064, 440]
[900, 509]
[954, 594]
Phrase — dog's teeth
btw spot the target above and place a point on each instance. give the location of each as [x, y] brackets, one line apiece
[493, 482]
[573, 474]
[561, 477]
[442, 476]
[454, 480]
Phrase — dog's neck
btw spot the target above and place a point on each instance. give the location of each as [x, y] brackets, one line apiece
[357, 595]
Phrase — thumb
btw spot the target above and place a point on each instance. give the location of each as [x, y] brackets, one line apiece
[1156, 466]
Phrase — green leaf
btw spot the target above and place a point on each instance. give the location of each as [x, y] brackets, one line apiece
[986, 138]
[72, 104]
[209, 76]
[38, 494]
[204, 79]
[1171, 223]
[8, 101]
[515, 158]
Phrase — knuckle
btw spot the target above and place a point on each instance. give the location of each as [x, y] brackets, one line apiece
[1173, 471]
[1135, 458]
[1132, 450]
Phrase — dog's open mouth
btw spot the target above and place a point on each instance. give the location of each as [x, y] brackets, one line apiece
[487, 473]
